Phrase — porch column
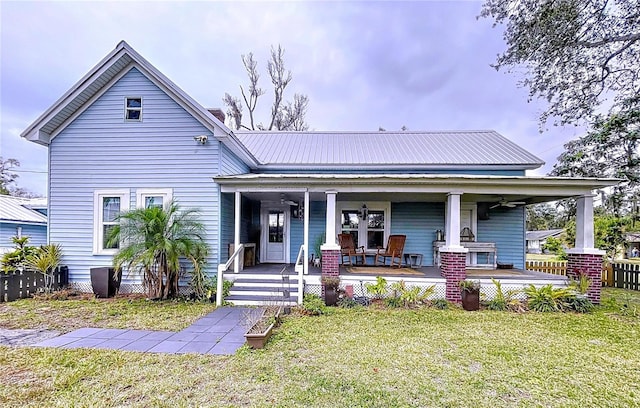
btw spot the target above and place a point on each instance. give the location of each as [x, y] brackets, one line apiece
[236, 232]
[305, 255]
[330, 249]
[453, 257]
[584, 258]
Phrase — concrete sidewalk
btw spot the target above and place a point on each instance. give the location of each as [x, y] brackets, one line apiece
[219, 332]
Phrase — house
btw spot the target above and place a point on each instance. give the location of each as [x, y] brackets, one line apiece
[125, 134]
[21, 217]
[632, 241]
[537, 239]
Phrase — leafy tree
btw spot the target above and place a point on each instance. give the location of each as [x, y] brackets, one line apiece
[545, 216]
[554, 245]
[609, 233]
[285, 115]
[611, 149]
[15, 260]
[579, 55]
[155, 240]
[7, 175]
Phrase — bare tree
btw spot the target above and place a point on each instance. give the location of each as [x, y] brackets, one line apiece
[284, 115]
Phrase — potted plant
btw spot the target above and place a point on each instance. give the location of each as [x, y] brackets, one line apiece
[260, 324]
[330, 285]
[470, 291]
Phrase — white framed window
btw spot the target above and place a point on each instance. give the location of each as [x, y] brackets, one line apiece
[133, 109]
[153, 197]
[107, 204]
[371, 231]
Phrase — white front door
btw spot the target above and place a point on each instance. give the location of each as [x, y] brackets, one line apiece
[275, 228]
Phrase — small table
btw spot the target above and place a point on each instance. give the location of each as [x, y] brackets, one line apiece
[413, 260]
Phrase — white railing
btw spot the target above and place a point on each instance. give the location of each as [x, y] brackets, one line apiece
[299, 267]
[222, 268]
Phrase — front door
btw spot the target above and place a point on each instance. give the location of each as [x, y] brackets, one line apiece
[274, 235]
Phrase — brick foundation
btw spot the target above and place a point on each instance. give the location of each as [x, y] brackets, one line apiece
[453, 269]
[591, 265]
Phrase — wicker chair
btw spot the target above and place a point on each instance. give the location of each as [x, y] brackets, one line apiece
[348, 249]
[394, 250]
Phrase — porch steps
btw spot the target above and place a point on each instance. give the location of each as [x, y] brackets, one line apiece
[262, 289]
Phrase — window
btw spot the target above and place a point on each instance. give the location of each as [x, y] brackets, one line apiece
[133, 109]
[158, 197]
[370, 232]
[276, 226]
[106, 207]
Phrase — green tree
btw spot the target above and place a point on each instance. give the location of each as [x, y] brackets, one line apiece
[7, 175]
[285, 115]
[155, 240]
[578, 55]
[609, 233]
[611, 149]
[545, 216]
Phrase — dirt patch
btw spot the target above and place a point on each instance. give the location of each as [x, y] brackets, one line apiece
[25, 337]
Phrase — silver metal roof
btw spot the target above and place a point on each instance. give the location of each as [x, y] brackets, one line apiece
[387, 149]
[16, 209]
[543, 234]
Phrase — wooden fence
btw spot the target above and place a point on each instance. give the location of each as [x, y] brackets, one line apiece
[25, 284]
[618, 275]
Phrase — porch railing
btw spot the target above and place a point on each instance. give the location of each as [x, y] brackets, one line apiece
[299, 267]
[222, 268]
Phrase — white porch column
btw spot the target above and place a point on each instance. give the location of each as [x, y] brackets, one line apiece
[236, 234]
[306, 233]
[584, 222]
[452, 221]
[330, 225]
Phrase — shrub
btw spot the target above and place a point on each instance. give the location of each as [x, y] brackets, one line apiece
[313, 305]
[442, 304]
[469, 285]
[378, 289]
[503, 300]
[16, 259]
[547, 298]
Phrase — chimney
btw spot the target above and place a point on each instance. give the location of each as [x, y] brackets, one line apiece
[218, 113]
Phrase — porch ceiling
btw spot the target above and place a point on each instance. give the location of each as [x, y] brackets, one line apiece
[411, 187]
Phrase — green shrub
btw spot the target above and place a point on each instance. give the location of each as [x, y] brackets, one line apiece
[313, 305]
[548, 299]
[16, 259]
[580, 304]
[442, 304]
[378, 289]
[503, 300]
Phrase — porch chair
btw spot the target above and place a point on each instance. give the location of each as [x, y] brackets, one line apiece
[348, 249]
[394, 250]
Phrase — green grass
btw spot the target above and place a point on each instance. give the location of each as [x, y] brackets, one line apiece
[363, 357]
[119, 312]
[542, 257]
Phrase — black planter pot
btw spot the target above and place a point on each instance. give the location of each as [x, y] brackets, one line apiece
[470, 299]
[330, 296]
[103, 283]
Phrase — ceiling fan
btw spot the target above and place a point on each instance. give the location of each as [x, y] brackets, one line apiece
[284, 200]
[505, 203]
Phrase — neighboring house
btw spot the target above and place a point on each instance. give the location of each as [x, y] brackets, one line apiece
[632, 242]
[125, 135]
[20, 217]
[537, 239]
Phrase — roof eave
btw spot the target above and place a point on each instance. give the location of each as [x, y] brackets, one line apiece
[406, 167]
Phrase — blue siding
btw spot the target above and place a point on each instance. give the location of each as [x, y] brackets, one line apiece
[505, 227]
[317, 214]
[230, 164]
[37, 234]
[419, 222]
[99, 150]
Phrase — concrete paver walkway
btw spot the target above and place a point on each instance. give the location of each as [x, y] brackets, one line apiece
[219, 332]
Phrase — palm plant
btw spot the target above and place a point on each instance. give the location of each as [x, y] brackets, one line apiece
[45, 260]
[154, 241]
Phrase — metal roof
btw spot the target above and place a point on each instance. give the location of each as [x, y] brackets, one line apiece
[543, 234]
[387, 149]
[16, 209]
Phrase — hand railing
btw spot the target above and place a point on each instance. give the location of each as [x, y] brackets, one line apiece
[222, 268]
[299, 267]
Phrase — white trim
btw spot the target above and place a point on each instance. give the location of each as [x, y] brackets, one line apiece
[142, 193]
[362, 227]
[125, 201]
[127, 109]
[586, 251]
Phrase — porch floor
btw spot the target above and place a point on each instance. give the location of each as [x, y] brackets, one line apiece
[423, 272]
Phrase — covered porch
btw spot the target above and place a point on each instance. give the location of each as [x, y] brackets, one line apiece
[293, 219]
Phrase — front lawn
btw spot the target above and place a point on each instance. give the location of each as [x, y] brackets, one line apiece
[365, 357]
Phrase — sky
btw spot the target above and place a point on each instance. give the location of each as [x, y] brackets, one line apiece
[364, 65]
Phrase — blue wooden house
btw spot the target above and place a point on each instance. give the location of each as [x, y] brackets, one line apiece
[125, 136]
[22, 217]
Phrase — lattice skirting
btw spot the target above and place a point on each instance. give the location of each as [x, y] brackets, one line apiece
[360, 290]
[125, 288]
